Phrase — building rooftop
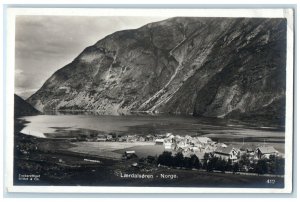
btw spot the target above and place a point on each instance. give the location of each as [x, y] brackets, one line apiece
[267, 149]
[203, 139]
[224, 150]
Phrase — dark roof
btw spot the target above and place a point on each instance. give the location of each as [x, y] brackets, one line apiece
[267, 149]
[224, 150]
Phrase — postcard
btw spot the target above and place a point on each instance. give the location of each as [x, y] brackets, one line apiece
[149, 100]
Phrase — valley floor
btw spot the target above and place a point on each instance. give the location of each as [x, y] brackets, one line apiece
[55, 162]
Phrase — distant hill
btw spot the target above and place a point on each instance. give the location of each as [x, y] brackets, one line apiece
[211, 67]
[23, 108]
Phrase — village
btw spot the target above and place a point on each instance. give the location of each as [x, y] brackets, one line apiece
[170, 150]
[204, 148]
[198, 145]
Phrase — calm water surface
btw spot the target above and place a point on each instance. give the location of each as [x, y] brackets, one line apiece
[68, 125]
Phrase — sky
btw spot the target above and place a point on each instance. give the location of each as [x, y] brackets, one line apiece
[44, 44]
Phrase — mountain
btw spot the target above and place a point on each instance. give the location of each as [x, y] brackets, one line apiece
[214, 67]
[23, 108]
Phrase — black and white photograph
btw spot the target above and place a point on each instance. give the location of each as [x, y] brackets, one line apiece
[154, 100]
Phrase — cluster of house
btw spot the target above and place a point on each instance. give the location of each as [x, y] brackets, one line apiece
[188, 146]
[123, 138]
[197, 145]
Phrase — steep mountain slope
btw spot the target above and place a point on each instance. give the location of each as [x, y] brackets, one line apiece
[22, 108]
[214, 67]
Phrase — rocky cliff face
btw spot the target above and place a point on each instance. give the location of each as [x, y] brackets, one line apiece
[216, 67]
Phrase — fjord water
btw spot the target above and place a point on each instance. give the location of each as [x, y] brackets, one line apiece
[62, 125]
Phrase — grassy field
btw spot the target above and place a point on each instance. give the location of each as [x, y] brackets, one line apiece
[107, 149]
[143, 151]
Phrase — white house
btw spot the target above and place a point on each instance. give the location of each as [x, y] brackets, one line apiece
[226, 153]
[130, 152]
[100, 139]
[204, 140]
[195, 149]
[159, 141]
[265, 152]
[168, 145]
[221, 145]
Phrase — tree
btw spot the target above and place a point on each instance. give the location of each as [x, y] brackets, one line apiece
[220, 165]
[211, 165]
[194, 162]
[279, 166]
[179, 160]
[272, 164]
[235, 168]
[228, 166]
[206, 160]
[276, 165]
[187, 162]
[165, 159]
[261, 166]
[245, 160]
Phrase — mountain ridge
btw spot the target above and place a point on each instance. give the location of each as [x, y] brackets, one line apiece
[23, 108]
[213, 67]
